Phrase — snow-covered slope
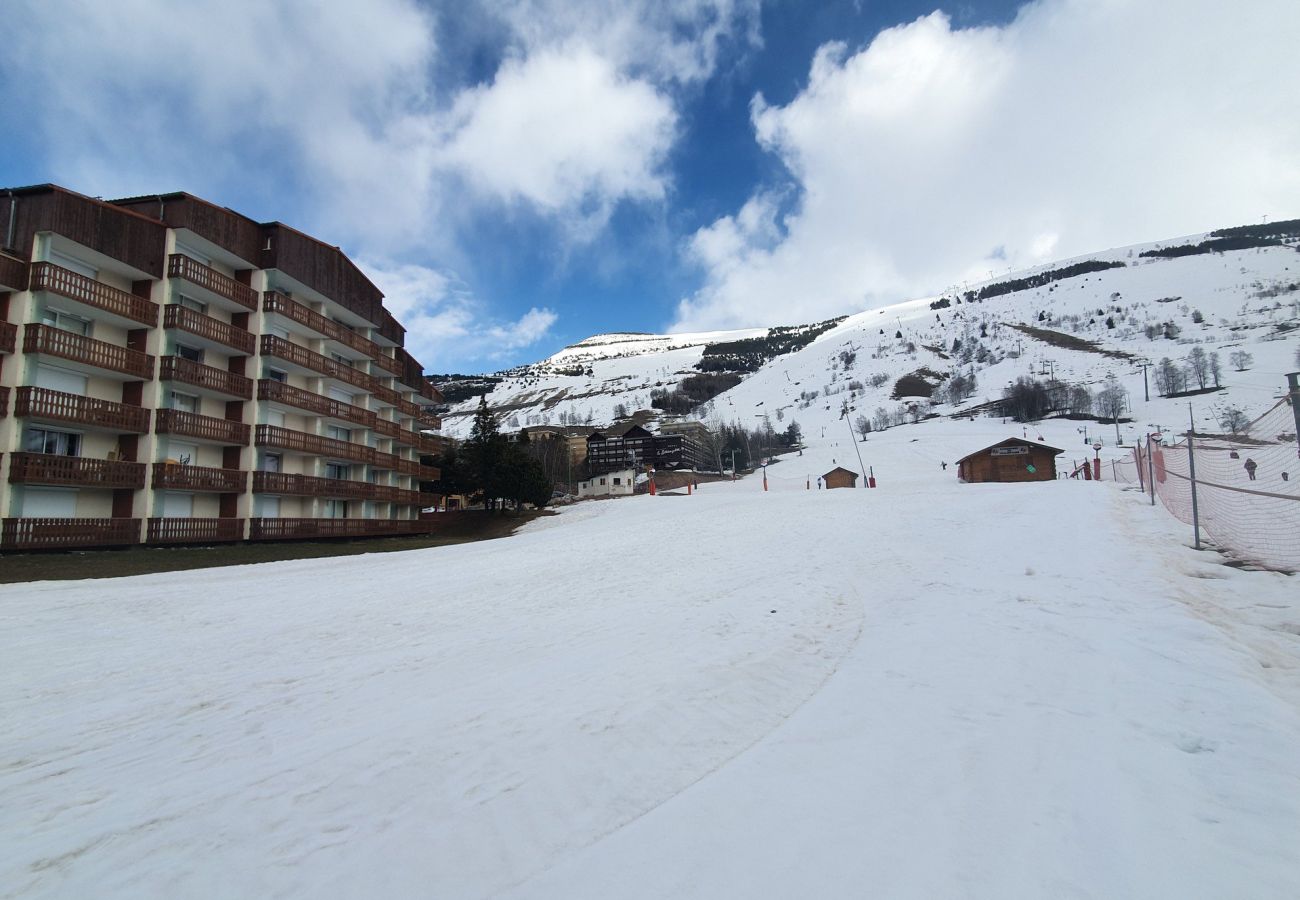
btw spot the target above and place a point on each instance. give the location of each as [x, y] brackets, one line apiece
[1221, 302]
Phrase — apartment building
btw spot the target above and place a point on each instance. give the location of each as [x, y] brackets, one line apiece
[631, 445]
[174, 372]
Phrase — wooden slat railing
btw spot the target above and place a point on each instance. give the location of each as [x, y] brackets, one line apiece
[311, 486]
[387, 428]
[274, 345]
[4, 402]
[194, 531]
[304, 529]
[38, 338]
[205, 428]
[314, 444]
[13, 274]
[275, 302]
[66, 283]
[47, 468]
[196, 323]
[172, 476]
[181, 266]
[187, 371]
[427, 419]
[278, 391]
[8, 337]
[58, 406]
[64, 534]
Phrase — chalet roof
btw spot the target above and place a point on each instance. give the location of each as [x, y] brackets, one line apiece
[1011, 442]
[621, 430]
[839, 469]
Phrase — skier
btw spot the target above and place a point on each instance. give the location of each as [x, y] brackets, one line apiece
[1250, 466]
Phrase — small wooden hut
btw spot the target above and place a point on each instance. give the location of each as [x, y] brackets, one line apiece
[840, 477]
[1014, 459]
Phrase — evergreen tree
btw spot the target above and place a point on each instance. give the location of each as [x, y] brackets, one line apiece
[484, 452]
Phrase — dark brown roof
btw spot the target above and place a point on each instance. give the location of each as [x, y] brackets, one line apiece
[839, 469]
[1010, 442]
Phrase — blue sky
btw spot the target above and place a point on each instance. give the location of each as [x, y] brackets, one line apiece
[520, 174]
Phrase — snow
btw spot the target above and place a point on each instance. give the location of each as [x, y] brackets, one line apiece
[926, 690]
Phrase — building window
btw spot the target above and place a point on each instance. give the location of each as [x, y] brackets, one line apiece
[342, 360]
[337, 433]
[271, 462]
[56, 319]
[193, 354]
[617, 482]
[277, 375]
[602, 481]
[58, 443]
[185, 402]
[336, 509]
[336, 470]
[191, 304]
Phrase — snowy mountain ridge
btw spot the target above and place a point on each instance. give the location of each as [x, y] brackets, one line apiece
[1079, 320]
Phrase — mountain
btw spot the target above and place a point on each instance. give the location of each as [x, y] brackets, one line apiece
[1078, 321]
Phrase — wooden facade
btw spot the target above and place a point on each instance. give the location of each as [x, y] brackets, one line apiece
[1014, 459]
[840, 477]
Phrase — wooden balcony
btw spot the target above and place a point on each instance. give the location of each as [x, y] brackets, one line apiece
[8, 337]
[427, 419]
[187, 371]
[47, 468]
[57, 406]
[74, 286]
[194, 531]
[275, 302]
[386, 395]
[13, 274]
[307, 529]
[436, 445]
[278, 347]
[407, 408]
[181, 267]
[77, 348]
[67, 534]
[387, 428]
[311, 486]
[388, 494]
[313, 444]
[205, 428]
[215, 330]
[279, 392]
[174, 477]
[4, 402]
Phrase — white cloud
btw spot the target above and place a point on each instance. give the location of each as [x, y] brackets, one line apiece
[447, 327]
[564, 132]
[935, 155]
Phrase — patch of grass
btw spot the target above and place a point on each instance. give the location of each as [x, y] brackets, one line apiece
[69, 565]
[1068, 341]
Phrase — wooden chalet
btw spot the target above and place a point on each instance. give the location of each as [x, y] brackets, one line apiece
[1015, 459]
[840, 477]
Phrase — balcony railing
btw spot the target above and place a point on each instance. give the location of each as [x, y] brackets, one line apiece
[8, 337]
[181, 266]
[205, 428]
[171, 476]
[314, 444]
[4, 402]
[194, 531]
[387, 428]
[275, 302]
[428, 419]
[47, 468]
[39, 338]
[187, 371]
[273, 345]
[13, 274]
[66, 283]
[436, 444]
[311, 486]
[280, 392]
[386, 394]
[179, 317]
[65, 534]
[306, 529]
[57, 406]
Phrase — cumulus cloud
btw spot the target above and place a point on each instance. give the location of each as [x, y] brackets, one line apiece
[446, 325]
[565, 133]
[938, 154]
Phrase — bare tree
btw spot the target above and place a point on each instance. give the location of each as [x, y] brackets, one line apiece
[863, 426]
[1216, 368]
[1198, 361]
[1233, 419]
[1111, 402]
[880, 418]
[1240, 359]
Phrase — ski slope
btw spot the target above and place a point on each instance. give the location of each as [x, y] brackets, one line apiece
[925, 690]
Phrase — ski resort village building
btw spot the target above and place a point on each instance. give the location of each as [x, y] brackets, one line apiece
[632, 445]
[172, 372]
[1014, 459]
[840, 477]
